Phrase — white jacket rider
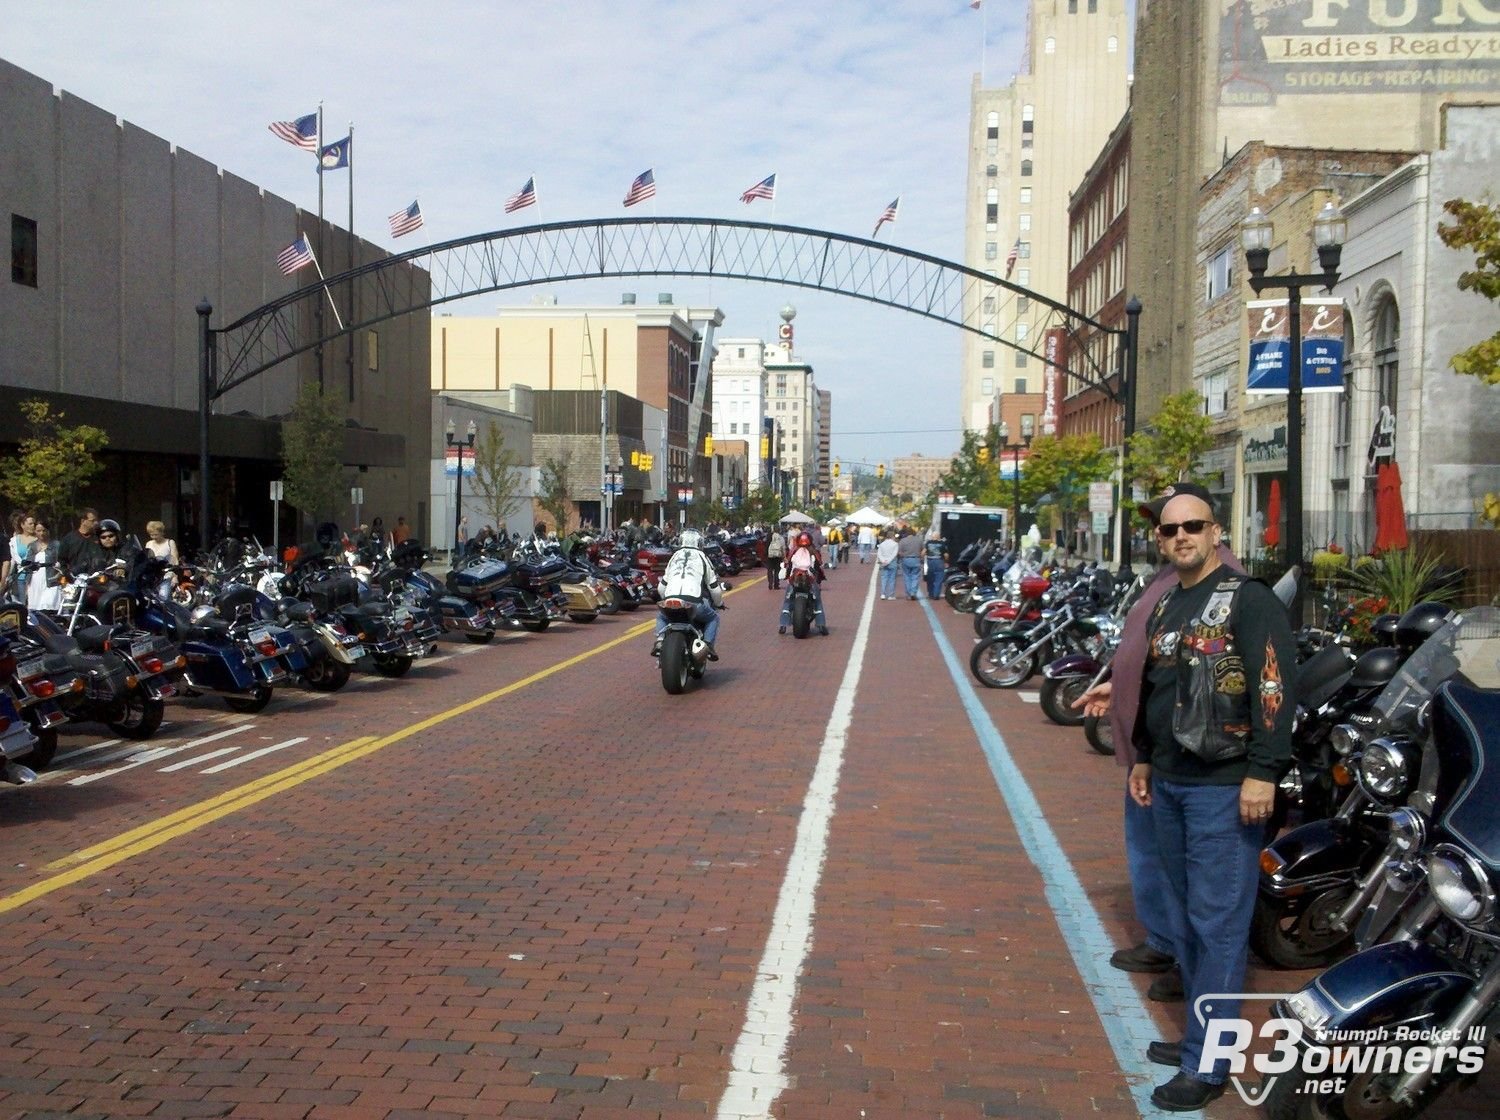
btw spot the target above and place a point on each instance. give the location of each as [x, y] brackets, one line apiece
[689, 575]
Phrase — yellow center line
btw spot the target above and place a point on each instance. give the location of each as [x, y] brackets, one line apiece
[99, 857]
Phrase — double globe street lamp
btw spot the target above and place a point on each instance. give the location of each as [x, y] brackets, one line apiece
[1329, 233]
[1028, 433]
[450, 434]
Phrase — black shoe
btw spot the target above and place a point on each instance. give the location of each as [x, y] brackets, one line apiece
[1165, 1053]
[656, 648]
[1167, 988]
[713, 654]
[1185, 1093]
[1142, 958]
[823, 630]
[781, 629]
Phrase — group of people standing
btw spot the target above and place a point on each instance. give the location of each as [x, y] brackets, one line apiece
[35, 559]
[903, 550]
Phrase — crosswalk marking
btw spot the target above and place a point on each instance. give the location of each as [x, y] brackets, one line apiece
[153, 754]
[255, 754]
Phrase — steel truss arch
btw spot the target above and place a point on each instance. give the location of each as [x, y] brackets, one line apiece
[602, 248]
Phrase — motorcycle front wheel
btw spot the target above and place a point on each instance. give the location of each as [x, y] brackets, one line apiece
[1364, 1096]
[255, 702]
[141, 717]
[999, 662]
[674, 663]
[957, 591]
[1100, 737]
[326, 675]
[1057, 700]
[1299, 936]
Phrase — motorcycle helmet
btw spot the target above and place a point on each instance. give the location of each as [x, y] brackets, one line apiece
[804, 541]
[1375, 668]
[1384, 628]
[1420, 623]
[690, 538]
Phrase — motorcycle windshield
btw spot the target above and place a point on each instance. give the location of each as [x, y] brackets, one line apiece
[1469, 642]
[1471, 717]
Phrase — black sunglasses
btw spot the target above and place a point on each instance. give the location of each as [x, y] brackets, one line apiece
[1168, 529]
[106, 533]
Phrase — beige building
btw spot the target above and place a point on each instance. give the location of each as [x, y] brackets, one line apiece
[1213, 75]
[1029, 145]
[649, 353]
[917, 474]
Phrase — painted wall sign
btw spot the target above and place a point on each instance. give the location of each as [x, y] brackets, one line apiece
[1272, 48]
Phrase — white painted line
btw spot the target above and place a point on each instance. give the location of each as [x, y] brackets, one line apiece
[189, 762]
[1030, 697]
[254, 754]
[153, 754]
[757, 1068]
[79, 752]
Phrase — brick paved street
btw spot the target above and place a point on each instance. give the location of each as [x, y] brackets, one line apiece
[463, 898]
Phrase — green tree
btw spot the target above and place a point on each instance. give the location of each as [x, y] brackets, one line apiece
[556, 482]
[52, 466]
[312, 453]
[1476, 226]
[497, 475]
[762, 506]
[1169, 446]
[975, 474]
[1059, 469]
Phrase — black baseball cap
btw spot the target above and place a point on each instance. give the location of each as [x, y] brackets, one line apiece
[1152, 510]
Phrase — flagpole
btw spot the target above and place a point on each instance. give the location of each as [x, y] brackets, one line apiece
[774, 192]
[326, 292]
[538, 196]
[318, 166]
[984, 40]
[349, 158]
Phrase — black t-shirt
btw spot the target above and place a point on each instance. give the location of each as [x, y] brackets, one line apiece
[1258, 631]
[935, 549]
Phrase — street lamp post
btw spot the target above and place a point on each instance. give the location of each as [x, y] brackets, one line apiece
[1028, 433]
[613, 476]
[451, 436]
[1329, 231]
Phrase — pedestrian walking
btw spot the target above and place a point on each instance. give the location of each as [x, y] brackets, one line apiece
[1213, 738]
[835, 540]
[934, 562]
[461, 537]
[866, 543]
[909, 551]
[885, 557]
[775, 550]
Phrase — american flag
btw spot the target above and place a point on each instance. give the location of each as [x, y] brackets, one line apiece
[297, 255]
[888, 215]
[303, 132]
[766, 188]
[524, 197]
[975, 4]
[1010, 258]
[405, 220]
[642, 187]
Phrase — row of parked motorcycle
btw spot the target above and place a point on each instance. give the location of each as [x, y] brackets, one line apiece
[241, 623]
[1382, 864]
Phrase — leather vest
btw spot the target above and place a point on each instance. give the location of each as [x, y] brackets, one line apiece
[1211, 716]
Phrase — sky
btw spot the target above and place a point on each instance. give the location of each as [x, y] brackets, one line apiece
[850, 102]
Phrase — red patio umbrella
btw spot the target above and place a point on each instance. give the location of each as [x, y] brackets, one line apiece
[1273, 515]
[1390, 512]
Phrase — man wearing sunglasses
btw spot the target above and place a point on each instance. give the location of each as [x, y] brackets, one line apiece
[1212, 738]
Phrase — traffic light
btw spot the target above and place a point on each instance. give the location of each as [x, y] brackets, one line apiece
[835, 468]
[708, 446]
[984, 453]
[879, 470]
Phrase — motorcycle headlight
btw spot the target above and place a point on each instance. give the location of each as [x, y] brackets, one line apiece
[1383, 769]
[1408, 829]
[1345, 739]
[1460, 884]
[1308, 1008]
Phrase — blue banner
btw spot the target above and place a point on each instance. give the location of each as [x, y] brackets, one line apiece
[1270, 364]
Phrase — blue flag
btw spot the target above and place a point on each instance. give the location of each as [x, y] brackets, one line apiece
[336, 155]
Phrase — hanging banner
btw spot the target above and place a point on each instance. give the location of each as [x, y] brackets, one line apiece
[1056, 353]
[1270, 366]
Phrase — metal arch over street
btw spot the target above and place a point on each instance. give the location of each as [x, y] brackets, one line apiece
[614, 247]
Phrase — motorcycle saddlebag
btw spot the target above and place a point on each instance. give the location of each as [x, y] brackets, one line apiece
[533, 576]
[478, 580]
[331, 593]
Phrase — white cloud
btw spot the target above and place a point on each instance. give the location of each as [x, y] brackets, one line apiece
[851, 102]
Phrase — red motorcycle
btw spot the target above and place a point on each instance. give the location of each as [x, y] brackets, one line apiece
[1002, 613]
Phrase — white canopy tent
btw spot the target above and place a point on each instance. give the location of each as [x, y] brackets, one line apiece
[868, 516]
[796, 517]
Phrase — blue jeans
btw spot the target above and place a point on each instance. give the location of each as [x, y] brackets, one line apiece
[1212, 867]
[786, 606]
[704, 615]
[911, 574]
[1148, 882]
[888, 580]
[934, 578]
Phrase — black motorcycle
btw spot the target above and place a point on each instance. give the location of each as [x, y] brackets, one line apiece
[684, 650]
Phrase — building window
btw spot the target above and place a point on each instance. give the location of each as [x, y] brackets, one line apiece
[1020, 385]
[1216, 394]
[989, 305]
[23, 250]
[1025, 223]
[1025, 169]
[742, 351]
[987, 387]
[1387, 356]
[991, 217]
[1023, 278]
[987, 359]
[1022, 330]
[991, 250]
[1049, 45]
[1023, 304]
[1072, 7]
[992, 171]
[1021, 361]
[1220, 273]
[1093, 7]
[1025, 251]
[1112, 44]
[1025, 196]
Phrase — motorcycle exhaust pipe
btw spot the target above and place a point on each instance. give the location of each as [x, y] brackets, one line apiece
[17, 775]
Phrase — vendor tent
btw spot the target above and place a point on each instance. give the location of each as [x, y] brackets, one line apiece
[796, 517]
[868, 516]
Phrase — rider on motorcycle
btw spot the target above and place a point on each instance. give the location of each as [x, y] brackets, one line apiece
[803, 557]
[689, 575]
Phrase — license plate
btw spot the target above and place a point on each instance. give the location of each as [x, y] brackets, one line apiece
[141, 648]
[30, 669]
[258, 635]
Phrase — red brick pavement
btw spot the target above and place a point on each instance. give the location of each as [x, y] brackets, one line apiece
[553, 905]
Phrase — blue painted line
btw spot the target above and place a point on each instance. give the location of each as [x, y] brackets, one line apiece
[1127, 1024]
